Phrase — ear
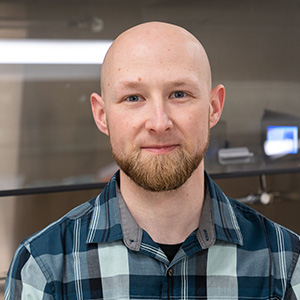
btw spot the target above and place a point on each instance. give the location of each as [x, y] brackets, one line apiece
[217, 98]
[99, 113]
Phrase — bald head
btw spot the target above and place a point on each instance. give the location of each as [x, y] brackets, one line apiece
[157, 105]
[158, 43]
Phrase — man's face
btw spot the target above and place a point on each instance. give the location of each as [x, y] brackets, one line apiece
[156, 100]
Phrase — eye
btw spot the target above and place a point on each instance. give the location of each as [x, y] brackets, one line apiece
[178, 94]
[133, 98]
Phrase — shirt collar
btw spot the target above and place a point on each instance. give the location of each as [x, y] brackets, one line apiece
[132, 232]
[225, 221]
[105, 222]
[206, 233]
[111, 220]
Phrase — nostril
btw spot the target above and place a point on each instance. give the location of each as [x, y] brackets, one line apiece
[158, 117]
[159, 125]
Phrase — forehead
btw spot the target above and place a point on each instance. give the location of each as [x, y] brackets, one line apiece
[133, 74]
[174, 48]
[154, 54]
[158, 59]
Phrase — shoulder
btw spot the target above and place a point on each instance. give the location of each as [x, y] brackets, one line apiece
[57, 237]
[47, 245]
[80, 213]
[253, 225]
[255, 228]
[68, 235]
[38, 262]
[263, 243]
[270, 246]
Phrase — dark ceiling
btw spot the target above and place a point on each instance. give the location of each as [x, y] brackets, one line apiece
[245, 40]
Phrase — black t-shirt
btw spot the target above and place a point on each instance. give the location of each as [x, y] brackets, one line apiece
[170, 250]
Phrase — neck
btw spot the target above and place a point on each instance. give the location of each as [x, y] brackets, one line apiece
[168, 217]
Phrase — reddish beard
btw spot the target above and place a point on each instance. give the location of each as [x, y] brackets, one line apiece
[159, 173]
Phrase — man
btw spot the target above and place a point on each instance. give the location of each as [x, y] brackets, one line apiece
[161, 229]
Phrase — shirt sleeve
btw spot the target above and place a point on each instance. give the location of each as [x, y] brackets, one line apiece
[25, 279]
[294, 289]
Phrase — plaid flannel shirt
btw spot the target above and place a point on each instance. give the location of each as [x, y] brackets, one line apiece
[97, 251]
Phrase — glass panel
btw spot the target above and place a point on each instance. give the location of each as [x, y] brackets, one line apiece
[47, 134]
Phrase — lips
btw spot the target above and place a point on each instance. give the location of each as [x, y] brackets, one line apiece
[160, 149]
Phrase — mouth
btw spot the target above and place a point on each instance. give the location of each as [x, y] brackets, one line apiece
[160, 149]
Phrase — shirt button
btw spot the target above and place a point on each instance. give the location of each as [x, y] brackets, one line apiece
[170, 273]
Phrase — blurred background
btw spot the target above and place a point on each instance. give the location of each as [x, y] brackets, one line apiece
[52, 156]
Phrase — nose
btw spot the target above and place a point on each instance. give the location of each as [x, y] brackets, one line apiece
[158, 120]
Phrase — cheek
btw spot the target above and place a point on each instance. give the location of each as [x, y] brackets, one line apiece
[121, 135]
[198, 130]
[198, 121]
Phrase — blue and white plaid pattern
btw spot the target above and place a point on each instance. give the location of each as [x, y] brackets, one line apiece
[97, 251]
